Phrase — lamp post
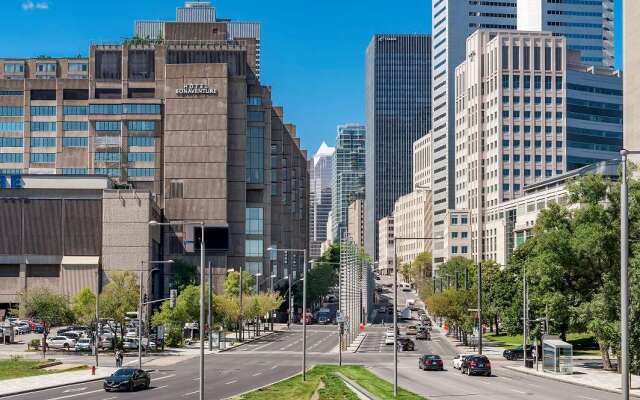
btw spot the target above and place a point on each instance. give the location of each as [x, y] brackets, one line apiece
[395, 306]
[210, 309]
[304, 305]
[240, 290]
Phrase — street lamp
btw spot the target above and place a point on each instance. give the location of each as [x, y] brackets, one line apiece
[240, 290]
[395, 306]
[304, 306]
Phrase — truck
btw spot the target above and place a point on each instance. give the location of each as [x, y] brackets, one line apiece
[327, 313]
[411, 304]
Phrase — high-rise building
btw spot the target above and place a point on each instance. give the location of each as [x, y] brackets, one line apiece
[422, 160]
[385, 243]
[412, 220]
[348, 173]
[452, 22]
[398, 112]
[526, 110]
[356, 222]
[631, 59]
[320, 184]
[587, 25]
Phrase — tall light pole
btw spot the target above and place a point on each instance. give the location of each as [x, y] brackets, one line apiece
[480, 309]
[210, 308]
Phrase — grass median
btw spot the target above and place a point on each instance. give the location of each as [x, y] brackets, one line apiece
[583, 343]
[18, 368]
[333, 388]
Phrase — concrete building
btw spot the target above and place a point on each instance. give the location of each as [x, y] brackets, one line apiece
[398, 112]
[320, 183]
[348, 173]
[412, 218]
[356, 222]
[587, 25]
[185, 119]
[524, 116]
[422, 162]
[452, 22]
[631, 59]
[385, 244]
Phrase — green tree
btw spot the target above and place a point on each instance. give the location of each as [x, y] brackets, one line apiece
[183, 274]
[422, 267]
[119, 296]
[232, 283]
[41, 303]
[83, 306]
[187, 309]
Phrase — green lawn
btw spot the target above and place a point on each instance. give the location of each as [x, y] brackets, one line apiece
[334, 389]
[583, 343]
[17, 368]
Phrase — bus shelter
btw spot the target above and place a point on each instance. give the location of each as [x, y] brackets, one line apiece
[557, 356]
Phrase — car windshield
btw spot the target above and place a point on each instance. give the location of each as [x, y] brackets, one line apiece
[85, 340]
[124, 372]
[431, 357]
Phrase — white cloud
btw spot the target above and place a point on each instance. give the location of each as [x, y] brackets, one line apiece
[29, 5]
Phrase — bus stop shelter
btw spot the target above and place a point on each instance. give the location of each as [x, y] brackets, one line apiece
[557, 356]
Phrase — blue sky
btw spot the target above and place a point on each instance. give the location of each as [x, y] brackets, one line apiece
[312, 51]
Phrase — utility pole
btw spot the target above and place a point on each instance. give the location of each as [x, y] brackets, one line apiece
[210, 308]
[97, 340]
[140, 319]
[395, 320]
[525, 313]
[202, 244]
[304, 316]
[240, 294]
[624, 277]
[480, 308]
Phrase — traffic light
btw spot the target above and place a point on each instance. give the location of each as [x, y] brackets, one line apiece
[145, 298]
[173, 293]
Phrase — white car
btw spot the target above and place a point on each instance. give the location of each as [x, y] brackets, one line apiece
[388, 338]
[22, 328]
[60, 342]
[132, 332]
[457, 361]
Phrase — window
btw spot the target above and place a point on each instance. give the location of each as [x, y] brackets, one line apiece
[77, 67]
[548, 172]
[527, 172]
[10, 142]
[505, 82]
[558, 115]
[13, 68]
[464, 235]
[74, 171]
[254, 221]
[10, 157]
[11, 111]
[107, 125]
[48, 158]
[255, 155]
[516, 187]
[526, 53]
[46, 67]
[516, 157]
[527, 82]
[43, 111]
[43, 126]
[9, 126]
[142, 108]
[537, 100]
[516, 57]
[253, 267]
[142, 141]
[80, 126]
[548, 158]
[144, 157]
[254, 100]
[463, 220]
[454, 220]
[516, 82]
[176, 189]
[108, 171]
[505, 187]
[43, 142]
[505, 114]
[75, 110]
[538, 82]
[454, 235]
[558, 83]
[516, 172]
[516, 99]
[454, 249]
[547, 115]
[465, 249]
[527, 158]
[538, 158]
[527, 143]
[527, 100]
[253, 248]
[547, 100]
[536, 58]
[547, 82]
[505, 172]
[75, 142]
[255, 116]
[548, 143]
[141, 171]
[106, 109]
[107, 156]
[505, 157]
[141, 125]
[505, 57]
[559, 144]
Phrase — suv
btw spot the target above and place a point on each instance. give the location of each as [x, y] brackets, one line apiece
[459, 360]
[430, 361]
[476, 365]
[406, 344]
[60, 342]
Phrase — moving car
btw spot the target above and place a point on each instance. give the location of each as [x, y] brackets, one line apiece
[127, 379]
[60, 342]
[412, 330]
[476, 365]
[388, 338]
[406, 344]
[431, 362]
[423, 335]
[517, 353]
[459, 359]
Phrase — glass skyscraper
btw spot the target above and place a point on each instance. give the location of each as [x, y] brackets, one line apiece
[320, 172]
[398, 112]
[348, 173]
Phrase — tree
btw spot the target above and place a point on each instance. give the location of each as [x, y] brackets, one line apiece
[422, 267]
[187, 309]
[405, 271]
[42, 304]
[183, 275]
[119, 296]
[83, 306]
[232, 284]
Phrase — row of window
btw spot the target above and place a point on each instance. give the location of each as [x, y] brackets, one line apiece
[527, 158]
[11, 126]
[11, 142]
[144, 157]
[463, 249]
[71, 141]
[537, 143]
[527, 100]
[463, 220]
[11, 111]
[43, 142]
[514, 82]
[43, 111]
[527, 172]
[115, 109]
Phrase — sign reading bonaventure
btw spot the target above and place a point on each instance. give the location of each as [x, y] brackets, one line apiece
[196, 89]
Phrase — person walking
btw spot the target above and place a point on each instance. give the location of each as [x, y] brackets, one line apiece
[119, 358]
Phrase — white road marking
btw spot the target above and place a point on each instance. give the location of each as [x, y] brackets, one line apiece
[274, 367]
[111, 398]
[196, 379]
[586, 397]
[75, 389]
[257, 374]
[190, 393]
[76, 395]
[154, 387]
[518, 391]
[230, 382]
[164, 377]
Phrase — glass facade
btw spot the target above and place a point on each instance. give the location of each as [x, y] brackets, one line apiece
[75, 142]
[78, 126]
[47, 111]
[253, 248]
[43, 142]
[254, 221]
[255, 155]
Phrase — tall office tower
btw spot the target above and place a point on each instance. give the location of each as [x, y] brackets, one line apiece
[348, 173]
[422, 160]
[452, 22]
[398, 112]
[203, 12]
[320, 171]
[587, 25]
[526, 111]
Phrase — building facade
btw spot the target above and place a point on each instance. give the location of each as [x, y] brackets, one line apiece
[526, 110]
[452, 22]
[398, 112]
[320, 173]
[385, 244]
[631, 60]
[184, 118]
[348, 173]
[422, 162]
[587, 26]
[412, 219]
[356, 222]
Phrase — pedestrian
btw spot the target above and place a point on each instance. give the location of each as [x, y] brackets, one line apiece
[118, 358]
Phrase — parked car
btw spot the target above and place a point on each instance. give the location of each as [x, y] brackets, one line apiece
[131, 332]
[71, 335]
[127, 379]
[106, 343]
[517, 353]
[430, 362]
[423, 335]
[406, 344]
[130, 343]
[412, 330]
[83, 344]
[476, 365]
[22, 328]
[459, 359]
[388, 337]
[60, 342]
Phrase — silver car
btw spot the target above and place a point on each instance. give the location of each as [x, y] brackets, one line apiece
[83, 344]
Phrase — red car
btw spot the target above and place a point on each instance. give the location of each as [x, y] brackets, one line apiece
[430, 362]
[36, 327]
[308, 318]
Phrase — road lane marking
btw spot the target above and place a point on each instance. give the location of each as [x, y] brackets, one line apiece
[152, 388]
[164, 377]
[274, 367]
[190, 393]
[257, 374]
[230, 382]
[111, 398]
[75, 390]
[518, 391]
[76, 395]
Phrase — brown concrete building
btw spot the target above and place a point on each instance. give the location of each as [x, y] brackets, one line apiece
[183, 121]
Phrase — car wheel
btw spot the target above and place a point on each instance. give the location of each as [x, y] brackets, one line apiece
[488, 373]
[147, 384]
[66, 346]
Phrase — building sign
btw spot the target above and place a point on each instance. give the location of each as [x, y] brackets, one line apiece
[196, 89]
[10, 182]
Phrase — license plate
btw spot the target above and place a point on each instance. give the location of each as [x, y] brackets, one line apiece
[480, 365]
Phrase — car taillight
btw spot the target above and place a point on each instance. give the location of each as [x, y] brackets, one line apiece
[488, 364]
[428, 362]
[472, 364]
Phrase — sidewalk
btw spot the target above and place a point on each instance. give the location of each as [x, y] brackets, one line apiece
[33, 383]
[489, 349]
[588, 377]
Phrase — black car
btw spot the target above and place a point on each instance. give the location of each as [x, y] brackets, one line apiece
[406, 344]
[430, 362]
[127, 379]
[517, 353]
[476, 365]
[423, 335]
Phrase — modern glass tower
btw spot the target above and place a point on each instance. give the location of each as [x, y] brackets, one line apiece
[398, 112]
[452, 22]
[348, 173]
[320, 171]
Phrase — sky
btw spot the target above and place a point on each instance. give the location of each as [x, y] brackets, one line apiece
[312, 51]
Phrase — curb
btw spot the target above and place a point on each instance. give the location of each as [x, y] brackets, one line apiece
[245, 342]
[51, 387]
[364, 335]
[354, 387]
[552, 377]
[239, 395]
